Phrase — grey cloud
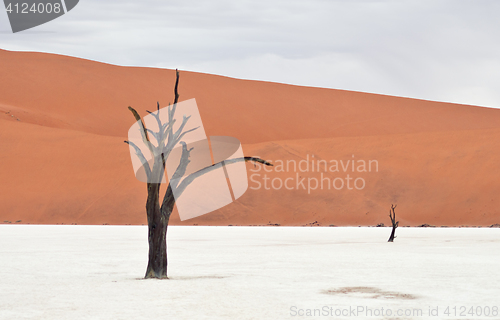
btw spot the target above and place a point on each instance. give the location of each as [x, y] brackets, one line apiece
[437, 50]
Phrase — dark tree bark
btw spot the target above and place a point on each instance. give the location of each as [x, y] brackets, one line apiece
[392, 215]
[158, 212]
[158, 218]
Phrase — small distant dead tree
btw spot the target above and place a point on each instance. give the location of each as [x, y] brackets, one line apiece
[159, 210]
[392, 215]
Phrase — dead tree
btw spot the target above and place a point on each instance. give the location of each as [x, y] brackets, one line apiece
[392, 215]
[159, 210]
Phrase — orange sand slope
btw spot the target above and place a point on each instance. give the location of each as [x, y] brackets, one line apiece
[63, 121]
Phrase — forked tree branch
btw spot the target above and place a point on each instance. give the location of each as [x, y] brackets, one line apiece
[166, 133]
[392, 215]
[174, 181]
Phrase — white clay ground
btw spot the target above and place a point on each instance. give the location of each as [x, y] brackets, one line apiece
[94, 272]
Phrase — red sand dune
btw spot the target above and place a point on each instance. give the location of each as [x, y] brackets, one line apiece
[63, 121]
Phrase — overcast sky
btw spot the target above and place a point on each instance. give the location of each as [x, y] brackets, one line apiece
[435, 50]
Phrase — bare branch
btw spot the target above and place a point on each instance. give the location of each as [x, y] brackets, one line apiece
[181, 168]
[171, 110]
[165, 125]
[182, 135]
[259, 160]
[161, 142]
[158, 120]
[154, 134]
[179, 172]
[142, 127]
[141, 157]
[176, 93]
[178, 135]
[183, 124]
[190, 178]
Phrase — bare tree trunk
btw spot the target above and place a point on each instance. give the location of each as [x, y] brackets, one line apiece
[392, 215]
[158, 218]
[157, 233]
[391, 238]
